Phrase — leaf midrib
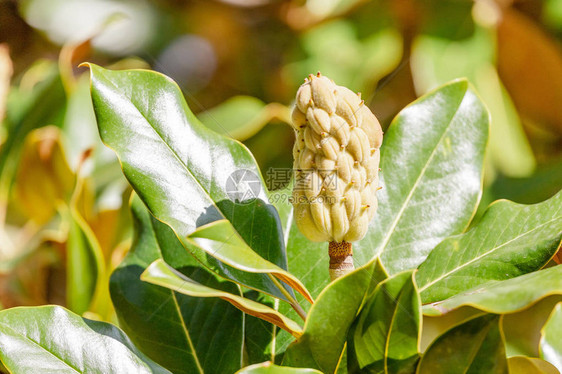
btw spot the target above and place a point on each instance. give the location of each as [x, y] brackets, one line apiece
[390, 231]
[40, 346]
[178, 310]
[387, 342]
[474, 353]
[490, 251]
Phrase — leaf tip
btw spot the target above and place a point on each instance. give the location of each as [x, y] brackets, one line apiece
[462, 82]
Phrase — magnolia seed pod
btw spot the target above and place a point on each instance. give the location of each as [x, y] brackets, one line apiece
[336, 163]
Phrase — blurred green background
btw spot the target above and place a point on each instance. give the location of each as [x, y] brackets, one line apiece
[64, 221]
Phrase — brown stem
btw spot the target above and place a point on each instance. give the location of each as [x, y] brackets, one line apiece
[294, 303]
[341, 259]
[300, 311]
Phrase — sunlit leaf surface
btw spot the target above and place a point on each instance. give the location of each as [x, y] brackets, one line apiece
[50, 339]
[431, 162]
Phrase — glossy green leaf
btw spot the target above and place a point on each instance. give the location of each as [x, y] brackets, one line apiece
[551, 339]
[260, 336]
[529, 365]
[180, 168]
[522, 329]
[182, 333]
[325, 331]
[269, 368]
[307, 260]
[161, 274]
[506, 296]
[431, 162]
[310, 261]
[50, 339]
[510, 240]
[385, 337]
[241, 117]
[474, 347]
[435, 326]
[221, 239]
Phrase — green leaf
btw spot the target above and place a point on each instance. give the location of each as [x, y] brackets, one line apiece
[451, 19]
[52, 339]
[325, 331]
[180, 168]
[182, 333]
[435, 326]
[269, 368]
[522, 329]
[529, 365]
[220, 239]
[507, 296]
[540, 186]
[161, 274]
[474, 347]
[84, 263]
[357, 63]
[260, 336]
[551, 338]
[437, 60]
[86, 279]
[552, 14]
[510, 151]
[307, 260]
[241, 117]
[385, 337]
[37, 101]
[80, 125]
[510, 240]
[431, 162]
